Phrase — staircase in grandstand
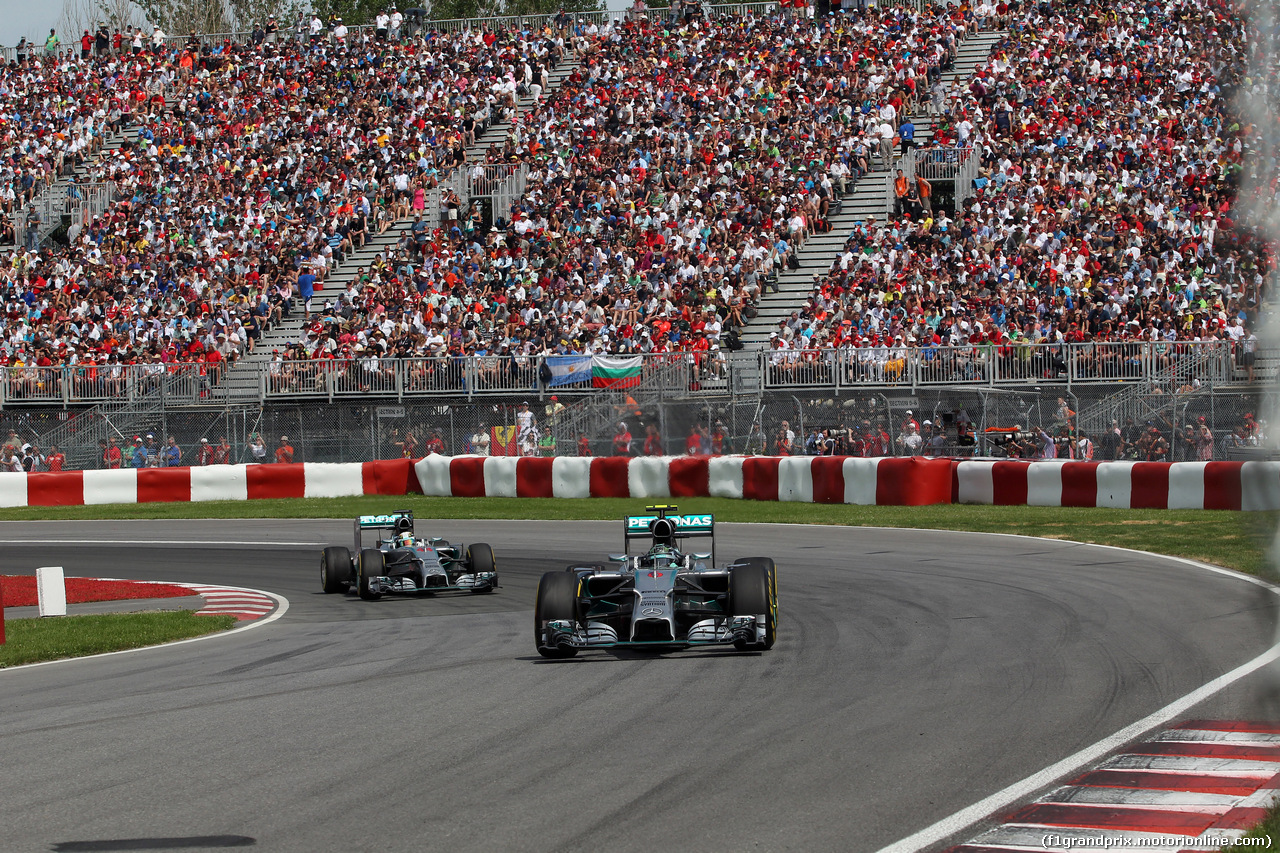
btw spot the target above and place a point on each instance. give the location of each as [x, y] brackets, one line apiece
[496, 186]
[73, 196]
[865, 199]
[1165, 391]
[142, 410]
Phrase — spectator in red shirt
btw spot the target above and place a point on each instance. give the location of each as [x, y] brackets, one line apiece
[206, 452]
[584, 445]
[622, 440]
[693, 444]
[435, 444]
[284, 453]
[56, 458]
[652, 441]
[113, 457]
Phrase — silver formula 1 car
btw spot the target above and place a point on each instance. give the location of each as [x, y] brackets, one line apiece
[403, 564]
[661, 599]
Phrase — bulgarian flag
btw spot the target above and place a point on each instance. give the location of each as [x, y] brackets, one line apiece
[502, 441]
[615, 372]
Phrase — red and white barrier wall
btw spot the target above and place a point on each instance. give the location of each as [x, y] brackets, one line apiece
[1125, 485]
[824, 479]
[213, 483]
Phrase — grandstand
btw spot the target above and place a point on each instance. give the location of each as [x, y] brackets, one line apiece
[745, 200]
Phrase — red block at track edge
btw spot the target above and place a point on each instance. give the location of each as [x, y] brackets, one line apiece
[609, 477]
[1149, 485]
[1259, 726]
[1129, 818]
[157, 485]
[1080, 484]
[1009, 483]
[760, 478]
[61, 489]
[390, 477]
[276, 481]
[913, 482]
[533, 478]
[1222, 485]
[466, 476]
[689, 477]
[828, 479]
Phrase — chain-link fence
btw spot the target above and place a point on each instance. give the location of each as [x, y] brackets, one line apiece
[1135, 422]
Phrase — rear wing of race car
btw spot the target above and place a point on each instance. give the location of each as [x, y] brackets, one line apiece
[686, 526]
[400, 521]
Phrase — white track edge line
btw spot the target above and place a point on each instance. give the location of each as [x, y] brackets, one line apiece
[159, 544]
[282, 607]
[1018, 791]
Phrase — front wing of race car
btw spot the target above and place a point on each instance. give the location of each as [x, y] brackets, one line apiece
[726, 631]
[393, 585]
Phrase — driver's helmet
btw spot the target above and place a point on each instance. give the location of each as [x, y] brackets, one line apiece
[662, 553]
[405, 540]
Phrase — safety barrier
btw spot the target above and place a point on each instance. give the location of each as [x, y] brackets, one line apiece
[212, 483]
[1123, 485]
[909, 481]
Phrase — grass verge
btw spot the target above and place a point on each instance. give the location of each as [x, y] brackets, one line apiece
[1236, 540]
[38, 640]
[1268, 828]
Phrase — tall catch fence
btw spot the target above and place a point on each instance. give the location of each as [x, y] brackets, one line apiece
[988, 422]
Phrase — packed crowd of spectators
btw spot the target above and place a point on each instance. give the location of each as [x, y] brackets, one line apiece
[670, 178]
[1105, 212]
[263, 166]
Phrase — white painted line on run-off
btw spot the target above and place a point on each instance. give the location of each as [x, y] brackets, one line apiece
[1022, 790]
[158, 543]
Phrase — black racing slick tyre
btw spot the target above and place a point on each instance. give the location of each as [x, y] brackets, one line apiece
[335, 570]
[557, 599]
[753, 590]
[372, 565]
[480, 559]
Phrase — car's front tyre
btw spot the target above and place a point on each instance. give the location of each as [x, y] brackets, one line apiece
[335, 570]
[753, 590]
[372, 565]
[480, 559]
[557, 600]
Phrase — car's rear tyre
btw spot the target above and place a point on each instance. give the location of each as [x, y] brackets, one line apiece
[372, 565]
[480, 559]
[335, 570]
[557, 599]
[753, 590]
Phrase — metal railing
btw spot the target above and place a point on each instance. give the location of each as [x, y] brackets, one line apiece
[77, 384]
[964, 178]
[455, 376]
[935, 163]
[1011, 365]
[411, 28]
[1173, 367]
[62, 203]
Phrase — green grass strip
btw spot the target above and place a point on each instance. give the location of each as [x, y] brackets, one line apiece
[1268, 828]
[54, 638]
[1236, 540]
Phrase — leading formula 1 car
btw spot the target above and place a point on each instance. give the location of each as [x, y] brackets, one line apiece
[661, 599]
[402, 564]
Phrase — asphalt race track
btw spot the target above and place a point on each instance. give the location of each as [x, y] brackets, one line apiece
[915, 673]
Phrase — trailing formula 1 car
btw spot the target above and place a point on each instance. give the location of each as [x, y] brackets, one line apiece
[402, 564]
[661, 599]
